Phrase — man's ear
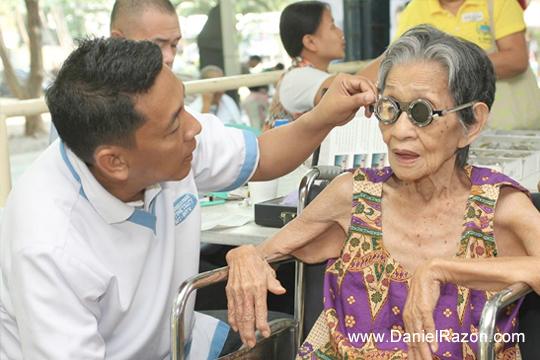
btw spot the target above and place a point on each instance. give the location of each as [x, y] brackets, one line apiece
[481, 114]
[116, 33]
[309, 42]
[111, 160]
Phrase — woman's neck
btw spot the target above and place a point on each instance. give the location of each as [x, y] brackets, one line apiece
[318, 63]
[444, 183]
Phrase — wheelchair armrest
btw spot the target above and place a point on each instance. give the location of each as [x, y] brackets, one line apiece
[486, 329]
[193, 283]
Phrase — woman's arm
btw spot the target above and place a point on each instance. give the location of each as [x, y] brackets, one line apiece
[317, 234]
[517, 231]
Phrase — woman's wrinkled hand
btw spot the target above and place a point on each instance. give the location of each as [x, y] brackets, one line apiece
[422, 299]
[250, 278]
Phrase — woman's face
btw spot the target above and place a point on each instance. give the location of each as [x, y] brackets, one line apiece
[329, 38]
[417, 152]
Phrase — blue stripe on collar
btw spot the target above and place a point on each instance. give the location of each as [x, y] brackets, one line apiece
[143, 218]
[68, 163]
[252, 150]
[138, 217]
[70, 167]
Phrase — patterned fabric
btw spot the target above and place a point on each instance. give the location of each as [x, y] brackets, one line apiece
[365, 289]
[277, 111]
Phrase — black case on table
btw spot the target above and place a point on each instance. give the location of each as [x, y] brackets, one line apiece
[273, 214]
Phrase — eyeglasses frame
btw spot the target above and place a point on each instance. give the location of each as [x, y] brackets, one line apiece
[433, 114]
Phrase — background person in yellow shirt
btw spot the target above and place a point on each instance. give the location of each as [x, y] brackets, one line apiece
[470, 19]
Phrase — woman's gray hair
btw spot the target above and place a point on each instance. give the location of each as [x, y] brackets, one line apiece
[471, 76]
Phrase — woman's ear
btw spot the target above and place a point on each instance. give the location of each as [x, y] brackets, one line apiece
[309, 42]
[481, 114]
[112, 162]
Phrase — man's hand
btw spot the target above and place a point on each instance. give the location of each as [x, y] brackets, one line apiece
[343, 99]
[250, 277]
[418, 312]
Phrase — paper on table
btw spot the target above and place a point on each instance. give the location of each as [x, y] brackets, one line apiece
[212, 220]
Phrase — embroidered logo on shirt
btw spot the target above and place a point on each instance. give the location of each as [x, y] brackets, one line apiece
[474, 16]
[183, 206]
[484, 32]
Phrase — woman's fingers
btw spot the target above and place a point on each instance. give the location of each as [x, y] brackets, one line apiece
[231, 303]
[247, 323]
[250, 278]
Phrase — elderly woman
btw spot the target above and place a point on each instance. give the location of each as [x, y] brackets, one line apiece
[419, 246]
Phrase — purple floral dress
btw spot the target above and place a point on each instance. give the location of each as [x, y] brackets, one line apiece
[365, 288]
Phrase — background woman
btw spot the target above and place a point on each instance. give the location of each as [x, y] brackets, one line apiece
[312, 40]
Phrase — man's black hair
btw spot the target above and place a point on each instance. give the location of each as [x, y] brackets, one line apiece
[92, 100]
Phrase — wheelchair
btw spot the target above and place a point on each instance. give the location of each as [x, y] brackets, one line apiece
[287, 334]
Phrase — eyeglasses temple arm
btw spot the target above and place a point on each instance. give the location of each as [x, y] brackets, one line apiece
[461, 107]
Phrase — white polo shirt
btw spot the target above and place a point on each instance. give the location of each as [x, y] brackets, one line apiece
[86, 276]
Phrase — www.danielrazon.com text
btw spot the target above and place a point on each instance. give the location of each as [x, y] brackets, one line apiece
[439, 336]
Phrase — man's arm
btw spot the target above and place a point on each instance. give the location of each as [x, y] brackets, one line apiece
[284, 148]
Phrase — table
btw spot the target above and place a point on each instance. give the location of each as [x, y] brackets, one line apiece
[249, 233]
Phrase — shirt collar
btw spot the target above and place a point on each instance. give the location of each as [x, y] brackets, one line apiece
[109, 207]
[435, 5]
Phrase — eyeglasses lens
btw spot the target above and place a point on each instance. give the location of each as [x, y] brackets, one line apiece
[387, 110]
[420, 113]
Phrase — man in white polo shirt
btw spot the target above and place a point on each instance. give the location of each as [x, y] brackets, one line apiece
[100, 232]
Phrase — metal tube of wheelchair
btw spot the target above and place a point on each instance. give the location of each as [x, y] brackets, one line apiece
[486, 328]
[303, 192]
[178, 328]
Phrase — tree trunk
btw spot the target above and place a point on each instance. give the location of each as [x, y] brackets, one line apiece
[9, 72]
[33, 125]
[32, 88]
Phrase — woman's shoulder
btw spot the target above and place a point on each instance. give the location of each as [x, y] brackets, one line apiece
[371, 174]
[304, 73]
[486, 176]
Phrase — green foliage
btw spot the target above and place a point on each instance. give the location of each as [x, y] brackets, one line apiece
[194, 7]
[78, 12]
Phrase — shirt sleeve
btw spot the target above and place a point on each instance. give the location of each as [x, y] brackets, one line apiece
[508, 18]
[225, 157]
[56, 316]
[299, 88]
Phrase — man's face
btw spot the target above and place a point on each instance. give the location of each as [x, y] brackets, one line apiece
[160, 28]
[166, 141]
